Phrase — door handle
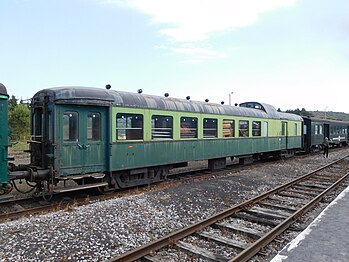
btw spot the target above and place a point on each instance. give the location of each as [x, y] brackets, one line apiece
[83, 147]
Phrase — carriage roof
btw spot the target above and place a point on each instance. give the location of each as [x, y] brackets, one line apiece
[104, 97]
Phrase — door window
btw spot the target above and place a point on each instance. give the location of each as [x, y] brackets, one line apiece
[70, 126]
[94, 126]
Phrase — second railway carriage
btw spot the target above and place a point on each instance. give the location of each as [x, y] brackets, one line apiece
[316, 129]
[113, 139]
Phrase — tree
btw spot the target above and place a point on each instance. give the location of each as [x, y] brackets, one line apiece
[12, 103]
[302, 112]
[19, 121]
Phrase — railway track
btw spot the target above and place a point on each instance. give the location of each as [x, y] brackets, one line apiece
[243, 231]
[12, 209]
[17, 208]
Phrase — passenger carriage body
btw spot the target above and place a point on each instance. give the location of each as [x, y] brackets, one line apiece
[315, 130]
[125, 139]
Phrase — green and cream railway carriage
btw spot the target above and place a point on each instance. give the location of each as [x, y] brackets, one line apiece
[114, 139]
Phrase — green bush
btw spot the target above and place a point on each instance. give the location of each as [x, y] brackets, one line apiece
[19, 121]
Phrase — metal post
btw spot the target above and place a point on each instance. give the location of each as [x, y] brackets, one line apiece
[230, 97]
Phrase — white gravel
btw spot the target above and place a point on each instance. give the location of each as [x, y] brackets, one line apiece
[100, 230]
[92, 232]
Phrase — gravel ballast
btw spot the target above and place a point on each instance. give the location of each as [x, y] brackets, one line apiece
[101, 230]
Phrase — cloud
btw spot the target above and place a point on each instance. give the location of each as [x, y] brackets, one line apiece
[187, 23]
[198, 54]
[197, 51]
[194, 20]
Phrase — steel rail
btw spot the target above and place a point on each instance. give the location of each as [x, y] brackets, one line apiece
[252, 250]
[182, 233]
[33, 210]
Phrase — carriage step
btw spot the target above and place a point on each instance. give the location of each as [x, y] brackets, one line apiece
[77, 177]
[73, 188]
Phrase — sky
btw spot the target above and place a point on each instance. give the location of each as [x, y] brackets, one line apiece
[287, 53]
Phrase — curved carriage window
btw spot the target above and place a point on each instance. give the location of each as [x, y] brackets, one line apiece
[94, 126]
[243, 128]
[256, 128]
[189, 127]
[161, 127]
[296, 129]
[228, 128]
[129, 126]
[70, 126]
[210, 128]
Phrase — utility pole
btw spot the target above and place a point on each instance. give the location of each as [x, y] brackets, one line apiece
[230, 97]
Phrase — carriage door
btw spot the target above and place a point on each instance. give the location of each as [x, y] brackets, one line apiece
[82, 137]
[284, 133]
[326, 131]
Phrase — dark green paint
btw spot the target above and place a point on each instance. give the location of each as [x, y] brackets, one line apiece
[3, 139]
[83, 155]
[139, 154]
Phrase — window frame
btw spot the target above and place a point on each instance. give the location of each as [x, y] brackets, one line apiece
[316, 129]
[256, 131]
[244, 132]
[210, 128]
[231, 130]
[95, 128]
[190, 131]
[72, 133]
[130, 133]
[165, 132]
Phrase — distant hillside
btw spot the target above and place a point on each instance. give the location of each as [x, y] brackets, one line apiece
[319, 114]
[330, 115]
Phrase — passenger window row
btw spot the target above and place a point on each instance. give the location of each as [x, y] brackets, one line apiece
[337, 130]
[130, 127]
